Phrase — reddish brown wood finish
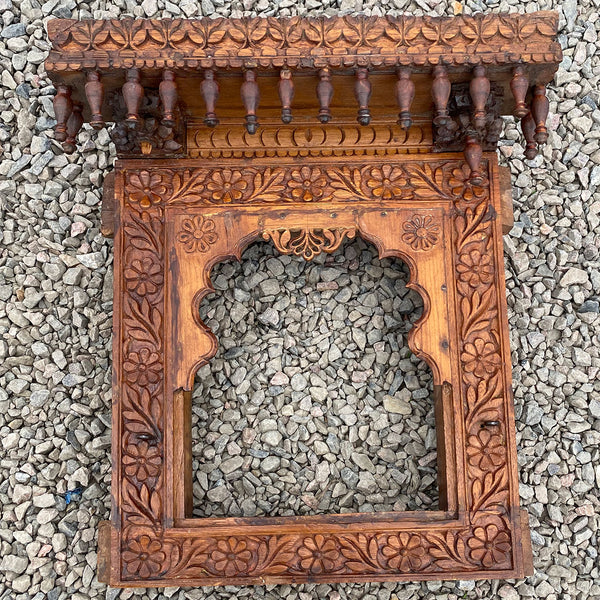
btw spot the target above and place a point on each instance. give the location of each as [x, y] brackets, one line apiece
[307, 189]
[168, 97]
[63, 106]
[325, 95]
[250, 97]
[480, 90]
[362, 92]
[286, 95]
[133, 94]
[519, 85]
[74, 124]
[440, 91]
[528, 128]
[426, 210]
[405, 94]
[94, 93]
[210, 93]
[539, 111]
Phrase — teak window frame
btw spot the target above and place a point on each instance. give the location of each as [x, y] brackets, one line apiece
[419, 179]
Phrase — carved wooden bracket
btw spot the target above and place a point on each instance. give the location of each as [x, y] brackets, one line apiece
[323, 129]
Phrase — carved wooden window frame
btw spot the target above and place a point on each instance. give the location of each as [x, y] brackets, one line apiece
[437, 211]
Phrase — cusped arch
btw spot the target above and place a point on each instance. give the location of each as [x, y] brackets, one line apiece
[239, 247]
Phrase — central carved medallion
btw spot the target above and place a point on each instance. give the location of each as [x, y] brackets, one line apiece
[308, 243]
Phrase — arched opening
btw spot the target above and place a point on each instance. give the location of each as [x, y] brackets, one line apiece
[314, 402]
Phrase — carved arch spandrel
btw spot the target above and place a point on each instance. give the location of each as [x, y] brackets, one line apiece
[204, 238]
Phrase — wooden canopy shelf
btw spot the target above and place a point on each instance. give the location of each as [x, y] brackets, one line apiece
[307, 132]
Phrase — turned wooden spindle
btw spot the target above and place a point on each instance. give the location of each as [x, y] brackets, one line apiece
[479, 89]
[362, 92]
[473, 154]
[324, 95]
[63, 107]
[405, 94]
[440, 91]
[167, 90]
[210, 93]
[286, 94]
[74, 124]
[528, 129]
[94, 92]
[539, 110]
[519, 84]
[250, 97]
[133, 93]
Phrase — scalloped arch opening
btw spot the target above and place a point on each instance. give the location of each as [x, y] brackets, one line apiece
[313, 403]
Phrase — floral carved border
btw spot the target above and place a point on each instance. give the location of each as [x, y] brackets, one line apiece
[306, 184]
[141, 400]
[296, 41]
[149, 552]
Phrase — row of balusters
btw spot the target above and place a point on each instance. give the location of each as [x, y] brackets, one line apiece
[533, 118]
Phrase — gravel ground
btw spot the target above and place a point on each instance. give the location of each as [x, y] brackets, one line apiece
[55, 323]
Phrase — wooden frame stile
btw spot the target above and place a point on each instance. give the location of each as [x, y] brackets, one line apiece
[419, 179]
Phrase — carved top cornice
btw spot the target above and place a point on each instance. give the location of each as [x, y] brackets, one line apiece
[298, 42]
[158, 80]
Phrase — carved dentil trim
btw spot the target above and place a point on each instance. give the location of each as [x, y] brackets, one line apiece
[301, 42]
[307, 140]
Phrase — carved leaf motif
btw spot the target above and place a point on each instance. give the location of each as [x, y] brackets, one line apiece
[142, 394]
[142, 506]
[361, 553]
[268, 184]
[275, 554]
[144, 322]
[112, 35]
[490, 490]
[427, 181]
[140, 413]
[449, 551]
[147, 35]
[308, 243]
